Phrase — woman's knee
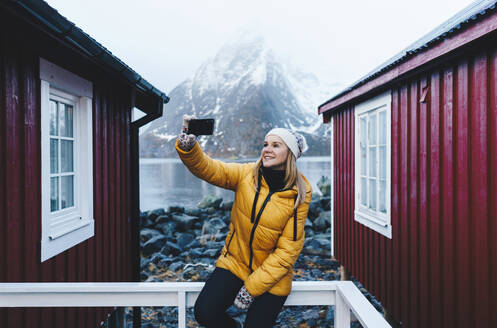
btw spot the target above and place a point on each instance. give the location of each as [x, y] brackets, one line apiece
[204, 313]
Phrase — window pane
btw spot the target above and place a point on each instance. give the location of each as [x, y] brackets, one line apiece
[382, 197]
[66, 153]
[66, 120]
[54, 194]
[54, 155]
[372, 194]
[67, 191]
[54, 120]
[363, 131]
[383, 161]
[372, 129]
[372, 161]
[363, 145]
[382, 126]
[364, 191]
[363, 161]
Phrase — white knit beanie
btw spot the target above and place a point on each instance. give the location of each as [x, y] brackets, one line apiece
[295, 141]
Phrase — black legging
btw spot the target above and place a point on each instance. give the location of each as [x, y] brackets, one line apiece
[219, 293]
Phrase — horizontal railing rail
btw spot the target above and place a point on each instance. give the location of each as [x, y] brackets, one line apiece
[344, 295]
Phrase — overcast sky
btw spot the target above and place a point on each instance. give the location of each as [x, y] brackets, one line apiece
[339, 41]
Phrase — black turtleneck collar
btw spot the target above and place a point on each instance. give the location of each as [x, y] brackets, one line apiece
[274, 178]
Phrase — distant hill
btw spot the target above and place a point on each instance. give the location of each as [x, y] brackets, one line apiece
[248, 92]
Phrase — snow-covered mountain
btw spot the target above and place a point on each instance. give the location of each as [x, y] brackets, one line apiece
[248, 91]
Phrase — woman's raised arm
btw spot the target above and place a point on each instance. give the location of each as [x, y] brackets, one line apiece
[218, 173]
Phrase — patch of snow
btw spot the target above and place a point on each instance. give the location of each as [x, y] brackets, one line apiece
[217, 108]
[166, 137]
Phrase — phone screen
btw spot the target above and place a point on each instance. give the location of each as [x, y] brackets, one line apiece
[201, 127]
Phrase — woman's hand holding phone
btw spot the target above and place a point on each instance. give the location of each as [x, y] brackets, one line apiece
[186, 141]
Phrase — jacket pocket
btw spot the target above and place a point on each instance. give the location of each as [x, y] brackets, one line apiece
[229, 243]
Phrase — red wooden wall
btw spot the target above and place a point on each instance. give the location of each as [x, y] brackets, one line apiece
[104, 257]
[440, 267]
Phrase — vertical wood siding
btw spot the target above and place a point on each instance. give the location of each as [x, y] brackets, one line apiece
[440, 267]
[105, 256]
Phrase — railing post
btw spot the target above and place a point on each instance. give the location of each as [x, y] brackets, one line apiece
[181, 309]
[342, 312]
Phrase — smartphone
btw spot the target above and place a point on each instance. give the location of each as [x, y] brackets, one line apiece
[201, 127]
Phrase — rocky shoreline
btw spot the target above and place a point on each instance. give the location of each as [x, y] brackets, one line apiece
[182, 244]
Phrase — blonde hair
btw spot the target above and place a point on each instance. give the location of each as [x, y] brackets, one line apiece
[292, 177]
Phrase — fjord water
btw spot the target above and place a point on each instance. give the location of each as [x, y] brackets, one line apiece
[166, 181]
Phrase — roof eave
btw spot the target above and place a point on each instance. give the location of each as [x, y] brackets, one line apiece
[399, 70]
[65, 30]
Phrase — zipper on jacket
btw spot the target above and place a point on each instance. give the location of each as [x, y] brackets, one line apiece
[295, 219]
[229, 243]
[255, 227]
[256, 198]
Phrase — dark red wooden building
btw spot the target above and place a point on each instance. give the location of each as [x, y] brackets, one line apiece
[415, 176]
[68, 159]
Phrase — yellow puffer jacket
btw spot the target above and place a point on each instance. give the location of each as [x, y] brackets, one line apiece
[264, 242]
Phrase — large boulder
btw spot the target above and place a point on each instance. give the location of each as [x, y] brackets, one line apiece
[326, 236]
[165, 262]
[319, 224]
[226, 206]
[210, 201]
[184, 239]
[197, 272]
[314, 209]
[146, 234]
[168, 228]
[194, 244]
[184, 222]
[197, 252]
[146, 223]
[327, 216]
[317, 246]
[157, 257]
[326, 203]
[153, 245]
[154, 214]
[210, 210]
[324, 185]
[162, 219]
[176, 209]
[176, 266]
[193, 211]
[212, 253]
[213, 229]
[172, 249]
[322, 222]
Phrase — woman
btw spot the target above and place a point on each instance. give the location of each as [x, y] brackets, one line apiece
[266, 232]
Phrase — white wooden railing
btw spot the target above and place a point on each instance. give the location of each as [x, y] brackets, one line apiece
[343, 294]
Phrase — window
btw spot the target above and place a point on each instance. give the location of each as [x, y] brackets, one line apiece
[67, 160]
[372, 164]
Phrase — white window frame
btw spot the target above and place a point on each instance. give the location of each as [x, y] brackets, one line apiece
[379, 222]
[66, 228]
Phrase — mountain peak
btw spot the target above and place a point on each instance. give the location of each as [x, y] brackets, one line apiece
[246, 37]
[245, 57]
[247, 91]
